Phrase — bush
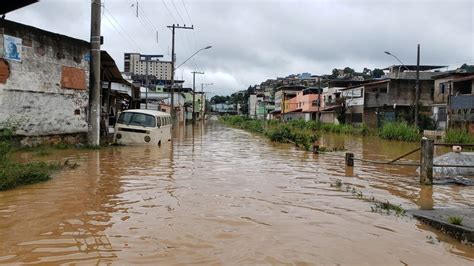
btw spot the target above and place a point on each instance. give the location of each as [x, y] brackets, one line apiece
[458, 136]
[14, 174]
[5, 149]
[399, 131]
[297, 131]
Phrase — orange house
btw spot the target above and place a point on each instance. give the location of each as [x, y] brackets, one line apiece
[304, 105]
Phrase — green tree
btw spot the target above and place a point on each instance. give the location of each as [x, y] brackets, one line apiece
[348, 70]
[377, 73]
[467, 68]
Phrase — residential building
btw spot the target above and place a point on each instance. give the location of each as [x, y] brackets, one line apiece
[282, 95]
[333, 100]
[394, 98]
[461, 103]
[443, 88]
[44, 85]
[306, 105]
[136, 64]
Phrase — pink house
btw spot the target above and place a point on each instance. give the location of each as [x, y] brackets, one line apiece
[304, 105]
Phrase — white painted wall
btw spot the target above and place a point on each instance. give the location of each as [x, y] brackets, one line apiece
[32, 96]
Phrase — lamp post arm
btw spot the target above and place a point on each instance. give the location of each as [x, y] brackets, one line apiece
[400, 61]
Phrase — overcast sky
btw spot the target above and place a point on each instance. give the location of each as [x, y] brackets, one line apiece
[256, 40]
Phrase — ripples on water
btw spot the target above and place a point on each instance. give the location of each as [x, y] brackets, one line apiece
[222, 195]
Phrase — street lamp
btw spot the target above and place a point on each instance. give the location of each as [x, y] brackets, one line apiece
[417, 86]
[174, 69]
[205, 48]
[388, 53]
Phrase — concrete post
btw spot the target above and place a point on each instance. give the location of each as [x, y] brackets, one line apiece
[426, 167]
[95, 88]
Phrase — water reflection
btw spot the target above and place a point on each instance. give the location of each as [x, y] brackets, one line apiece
[218, 195]
[426, 201]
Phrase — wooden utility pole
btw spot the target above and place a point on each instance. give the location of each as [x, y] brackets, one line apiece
[173, 58]
[417, 96]
[94, 88]
[194, 93]
[426, 167]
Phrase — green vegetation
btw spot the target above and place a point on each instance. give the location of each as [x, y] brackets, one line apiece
[458, 136]
[378, 207]
[14, 174]
[399, 131]
[387, 207]
[456, 220]
[297, 132]
[300, 132]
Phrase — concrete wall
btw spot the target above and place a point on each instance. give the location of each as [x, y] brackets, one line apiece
[402, 93]
[35, 96]
[438, 96]
[329, 117]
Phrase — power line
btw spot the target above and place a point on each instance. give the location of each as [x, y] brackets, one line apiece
[187, 13]
[147, 24]
[121, 31]
[177, 11]
[169, 11]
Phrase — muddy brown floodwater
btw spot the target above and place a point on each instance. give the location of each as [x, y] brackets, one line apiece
[219, 195]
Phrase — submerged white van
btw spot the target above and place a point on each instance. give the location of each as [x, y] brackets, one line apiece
[138, 126]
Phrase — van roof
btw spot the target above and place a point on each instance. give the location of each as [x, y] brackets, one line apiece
[148, 112]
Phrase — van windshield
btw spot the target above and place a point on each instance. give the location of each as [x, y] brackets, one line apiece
[137, 119]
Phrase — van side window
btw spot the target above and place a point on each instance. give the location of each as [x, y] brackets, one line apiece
[158, 121]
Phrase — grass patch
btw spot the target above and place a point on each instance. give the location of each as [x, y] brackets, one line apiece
[13, 174]
[387, 207]
[458, 136]
[16, 174]
[43, 152]
[400, 131]
[298, 131]
[456, 220]
[383, 207]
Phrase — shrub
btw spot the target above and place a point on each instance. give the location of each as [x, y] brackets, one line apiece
[458, 136]
[15, 174]
[399, 131]
[456, 220]
[5, 149]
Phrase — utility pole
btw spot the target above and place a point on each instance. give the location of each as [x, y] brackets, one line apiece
[94, 89]
[319, 97]
[194, 93]
[147, 84]
[202, 99]
[417, 96]
[173, 28]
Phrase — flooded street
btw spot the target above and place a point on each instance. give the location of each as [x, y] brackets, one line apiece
[219, 195]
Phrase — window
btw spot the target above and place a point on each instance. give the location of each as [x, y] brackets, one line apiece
[442, 88]
[137, 119]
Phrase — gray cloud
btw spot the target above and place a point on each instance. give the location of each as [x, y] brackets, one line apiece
[256, 40]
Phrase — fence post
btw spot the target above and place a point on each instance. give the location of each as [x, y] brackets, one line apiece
[349, 159]
[426, 167]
